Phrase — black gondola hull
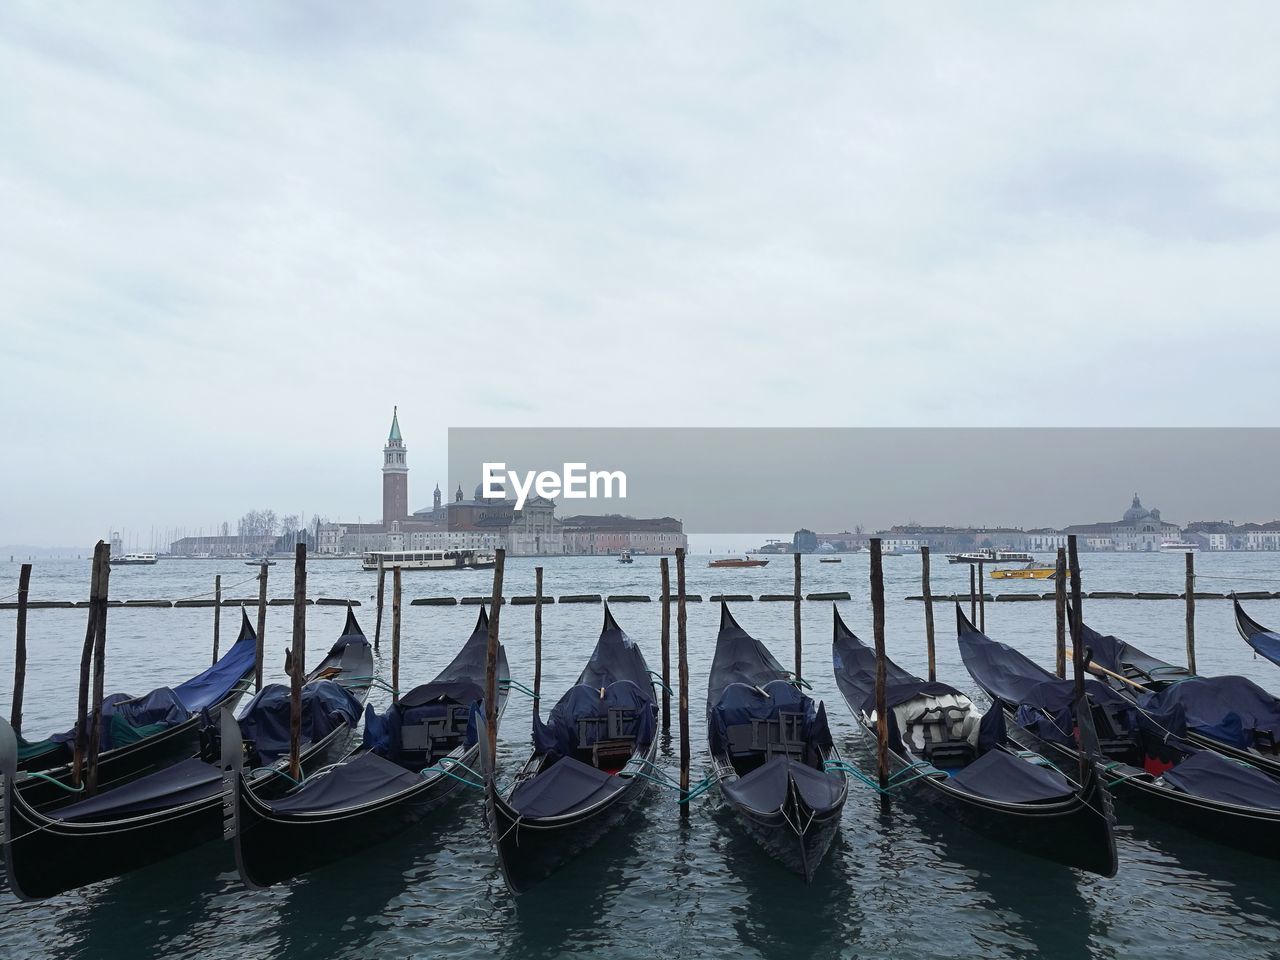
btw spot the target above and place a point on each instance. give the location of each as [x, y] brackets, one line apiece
[793, 834]
[530, 850]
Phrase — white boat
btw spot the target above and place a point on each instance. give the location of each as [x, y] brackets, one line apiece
[133, 559]
[428, 560]
[1179, 546]
[625, 557]
[991, 556]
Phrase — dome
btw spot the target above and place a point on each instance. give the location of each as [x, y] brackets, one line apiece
[1135, 512]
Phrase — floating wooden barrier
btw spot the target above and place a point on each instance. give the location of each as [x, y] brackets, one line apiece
[287, 602]
[1008, 597]
[1248, 595]
[434, 602]
[148, 603]
[241, 602]
[580, 598]
[731, 598]
[1111, 595]
[336, 602]
[629, 598]
[1158, 596]
[776, 597]
[477, 601]
[530, 601]
[197, 603]
[837, 595]
[40, 605]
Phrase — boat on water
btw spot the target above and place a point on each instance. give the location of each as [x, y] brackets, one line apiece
[963, 760]
[260, 562]
[1179, 546]
[991, 556]
[428, 560]
[591, 765]
[1230, 715]
[52, 850]
[414, 758]
[1149, 765]
[139, 734]
[1264, 642]
[772, 754]
[738, 562]
[1032, 571]
[625, 557]
[133, 560]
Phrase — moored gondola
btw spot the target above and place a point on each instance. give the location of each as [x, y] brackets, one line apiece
[414, 758]
[962, 760]
[155, 816]
[771, 752]
[1149, 766]
[590, 767]
[1231, 715]
[141, 734]
[1265, 642]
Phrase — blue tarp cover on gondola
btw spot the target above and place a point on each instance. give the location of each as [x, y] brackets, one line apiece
[1214, 777]
[1267, 643]
[185, 782]
[741, 703]
[1119, 657]
[326, 705]
[1229, 709]
[124, 717]
[363, 780]
[565, 786]
[765, 788]
[739, 658]
[219, 680]
[1001, 776]
[560, 732]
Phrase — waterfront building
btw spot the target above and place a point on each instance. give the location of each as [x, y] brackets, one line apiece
[1139, 529]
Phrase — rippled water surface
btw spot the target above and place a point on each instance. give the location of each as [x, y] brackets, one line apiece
[903, 884]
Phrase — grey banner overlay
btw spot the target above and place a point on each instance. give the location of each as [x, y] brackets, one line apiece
[744, 480]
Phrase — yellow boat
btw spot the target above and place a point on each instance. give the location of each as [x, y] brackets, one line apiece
[1032, 571]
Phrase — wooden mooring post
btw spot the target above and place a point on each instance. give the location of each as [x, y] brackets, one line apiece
[395, 634]
[973, 594]
[682, 654]
[377, 617]
[86, 664]
[877, 626]
[982, 599]
[262, 625]
[1191, 611]
[297, 659]
[1077, 643]
[99, 674]
[20, 649]
[537, 640]
[217, 614]
[928, 612]
[491, 664]
[1060, 603]
[796, 621]
[666, 645]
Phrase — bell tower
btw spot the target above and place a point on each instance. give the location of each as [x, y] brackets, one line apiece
[395, 475]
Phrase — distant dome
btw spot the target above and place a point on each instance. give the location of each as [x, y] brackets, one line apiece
[480, 493]
[1135, 512]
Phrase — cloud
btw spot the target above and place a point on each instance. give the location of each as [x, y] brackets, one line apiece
[234, 236]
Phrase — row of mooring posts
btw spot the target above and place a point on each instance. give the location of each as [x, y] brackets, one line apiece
[93, 655]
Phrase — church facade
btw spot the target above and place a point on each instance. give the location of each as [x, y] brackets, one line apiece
[485, 524]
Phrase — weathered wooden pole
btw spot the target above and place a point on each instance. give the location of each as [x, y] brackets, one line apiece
[982, 599]
[297, 658]
[377, 621]
[682, 654]
[537, 639]
[86, 663]
[1077, 617]
[666, 645]
[795, 616]
[1191, 611]
[20, 649]
[1060, 602]
[877, 626]
[217, 614]
[395, 634]
[973, 594]
[262, 624]
[491, 663]
[99, 672]
[928, 613]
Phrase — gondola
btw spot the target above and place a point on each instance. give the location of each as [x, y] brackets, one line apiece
[1263, 641]
[963, 761]
[1229, 714]
[414, 758]
[155, 816]
[771, 752]
[590, 767]
[1150, 766]
[141, 734]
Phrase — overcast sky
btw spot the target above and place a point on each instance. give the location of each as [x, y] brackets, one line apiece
[233, 235]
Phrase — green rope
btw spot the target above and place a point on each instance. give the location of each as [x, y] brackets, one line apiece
[696, 790]
[56, 782]
[925, 770]
[437, 768]
[798, 681]
[519, 686]
[657, 678]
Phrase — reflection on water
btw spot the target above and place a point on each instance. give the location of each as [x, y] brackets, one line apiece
[907, 884]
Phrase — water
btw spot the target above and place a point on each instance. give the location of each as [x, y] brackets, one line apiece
[910, 884]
